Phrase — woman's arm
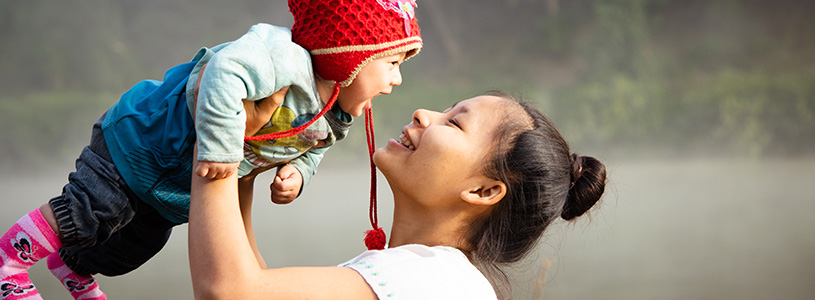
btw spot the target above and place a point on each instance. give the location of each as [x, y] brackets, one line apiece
[223, 264]
[258, 114]
[246, 190]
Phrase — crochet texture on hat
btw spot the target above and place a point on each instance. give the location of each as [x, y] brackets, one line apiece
[344, 35]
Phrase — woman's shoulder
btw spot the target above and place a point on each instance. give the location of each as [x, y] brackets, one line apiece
[421, 272]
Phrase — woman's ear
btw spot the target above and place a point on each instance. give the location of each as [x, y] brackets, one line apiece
[488, 193]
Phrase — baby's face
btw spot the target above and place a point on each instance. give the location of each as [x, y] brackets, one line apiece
[375, 78]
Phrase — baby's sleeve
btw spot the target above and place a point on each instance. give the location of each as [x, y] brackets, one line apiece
[241, 70]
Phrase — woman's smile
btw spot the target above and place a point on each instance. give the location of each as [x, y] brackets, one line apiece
[404, 139]
[436, 152]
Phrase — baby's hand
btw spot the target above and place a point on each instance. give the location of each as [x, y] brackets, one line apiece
[216, 170]
[286, 185]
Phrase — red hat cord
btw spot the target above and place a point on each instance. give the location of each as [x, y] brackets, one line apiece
[299, 129]
[375, 238]
[358, 32]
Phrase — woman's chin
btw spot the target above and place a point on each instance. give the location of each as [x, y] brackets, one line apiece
[387, 158]
[381, 157]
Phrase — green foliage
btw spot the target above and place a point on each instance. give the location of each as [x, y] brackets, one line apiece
[755, 113]
[720, 86]
[616, 110]
[721, 77]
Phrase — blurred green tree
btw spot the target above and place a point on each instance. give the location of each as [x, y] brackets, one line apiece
[719, 77]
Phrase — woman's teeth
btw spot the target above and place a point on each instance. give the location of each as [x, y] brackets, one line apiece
[406, 142]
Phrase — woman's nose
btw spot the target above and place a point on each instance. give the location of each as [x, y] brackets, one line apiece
[423, 117]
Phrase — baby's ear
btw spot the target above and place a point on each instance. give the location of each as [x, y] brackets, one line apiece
[488, 192]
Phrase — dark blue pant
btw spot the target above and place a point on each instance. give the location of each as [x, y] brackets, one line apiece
[103, 227]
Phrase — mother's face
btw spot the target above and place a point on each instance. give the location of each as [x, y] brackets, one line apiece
[441, 154]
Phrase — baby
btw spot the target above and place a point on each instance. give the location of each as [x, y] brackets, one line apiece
[132, 182]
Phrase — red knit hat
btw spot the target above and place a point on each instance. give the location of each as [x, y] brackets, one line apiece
[344, 35]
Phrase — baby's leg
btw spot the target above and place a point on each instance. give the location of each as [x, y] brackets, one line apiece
[80, 287]
[29, 240]
[92, 205]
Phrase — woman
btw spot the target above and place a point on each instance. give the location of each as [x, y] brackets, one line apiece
[475, 185]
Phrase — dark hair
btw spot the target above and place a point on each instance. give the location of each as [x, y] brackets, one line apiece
[544, 181]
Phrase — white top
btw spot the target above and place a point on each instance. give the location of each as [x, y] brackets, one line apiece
[421, 272]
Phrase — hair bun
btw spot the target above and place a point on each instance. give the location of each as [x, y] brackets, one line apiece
[577, 168]
[588, 181]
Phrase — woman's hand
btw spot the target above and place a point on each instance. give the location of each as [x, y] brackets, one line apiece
[259, 112]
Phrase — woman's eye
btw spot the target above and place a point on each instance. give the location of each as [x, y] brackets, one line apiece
[454, 123]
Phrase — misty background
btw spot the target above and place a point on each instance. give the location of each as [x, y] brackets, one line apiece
[703, 111]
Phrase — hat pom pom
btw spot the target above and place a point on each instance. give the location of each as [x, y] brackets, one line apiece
[375, 239]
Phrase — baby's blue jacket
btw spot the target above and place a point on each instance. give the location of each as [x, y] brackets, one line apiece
[150, 132]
